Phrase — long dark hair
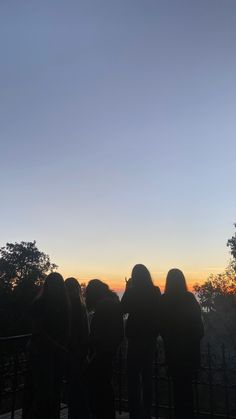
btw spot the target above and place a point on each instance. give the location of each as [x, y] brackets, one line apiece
[54, 307]
[73, 290]
[175, 283]
[54, 293]
[97, 290]
[79, 328]
[141, 277]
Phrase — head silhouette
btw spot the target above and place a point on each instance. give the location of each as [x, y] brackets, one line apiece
[141, 277]
[175, 282]
[54, 287]
[73, 288]
[96, 290]
[55, 302]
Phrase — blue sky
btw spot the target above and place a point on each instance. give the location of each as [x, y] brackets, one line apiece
[118, 133]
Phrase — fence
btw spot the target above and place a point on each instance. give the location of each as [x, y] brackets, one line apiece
[12, 371]
[214, 387]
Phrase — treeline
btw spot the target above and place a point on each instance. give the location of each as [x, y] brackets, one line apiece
[23, 269]
[217, 297]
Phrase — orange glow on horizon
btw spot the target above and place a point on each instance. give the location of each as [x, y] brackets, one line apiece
[118, 285]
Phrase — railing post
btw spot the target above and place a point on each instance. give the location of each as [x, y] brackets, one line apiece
[1, 377]
[169, 395]
[225, 378]
[196, 394]
[14, 385]
[156, 377]
[120, 372]
[210, 380]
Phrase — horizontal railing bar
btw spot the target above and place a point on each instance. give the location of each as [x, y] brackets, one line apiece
[201, 412]
[17, 337]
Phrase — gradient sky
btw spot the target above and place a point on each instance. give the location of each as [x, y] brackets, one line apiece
[117, 128]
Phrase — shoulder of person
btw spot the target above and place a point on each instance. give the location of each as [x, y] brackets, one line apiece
[111, 300]
[129, 291]
[128, 295]
[193, 302]
[191, 297]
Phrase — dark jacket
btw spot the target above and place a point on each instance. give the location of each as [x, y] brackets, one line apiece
[106, 328]
[142, 307]
[182, 330]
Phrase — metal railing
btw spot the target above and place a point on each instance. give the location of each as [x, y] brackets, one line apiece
[12, 371]
[214, 386]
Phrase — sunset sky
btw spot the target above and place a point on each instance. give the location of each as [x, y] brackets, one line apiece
[118, 131]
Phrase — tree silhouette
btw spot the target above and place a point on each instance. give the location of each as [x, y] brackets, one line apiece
[217, 296]
[23, 268]
[232, 244]
[21, 262]
[218, 290]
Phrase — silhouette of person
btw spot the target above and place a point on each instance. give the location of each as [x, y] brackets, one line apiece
[141, 301]
[182, 330]
[47, 350]
[106, 334]
[78, 351]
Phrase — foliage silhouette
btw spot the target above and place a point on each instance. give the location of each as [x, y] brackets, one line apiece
[220, 289]
[217, 296]
[232, 244]
[23, 262]
[23, 268]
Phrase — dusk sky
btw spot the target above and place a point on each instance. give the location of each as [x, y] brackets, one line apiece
[118, 130]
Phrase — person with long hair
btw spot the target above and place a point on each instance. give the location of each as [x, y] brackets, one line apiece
[141, 301]
[77, 352]
[47, 350]
[106, 334]
[182, 330]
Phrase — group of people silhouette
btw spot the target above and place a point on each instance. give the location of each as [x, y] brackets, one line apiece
[76, 337]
